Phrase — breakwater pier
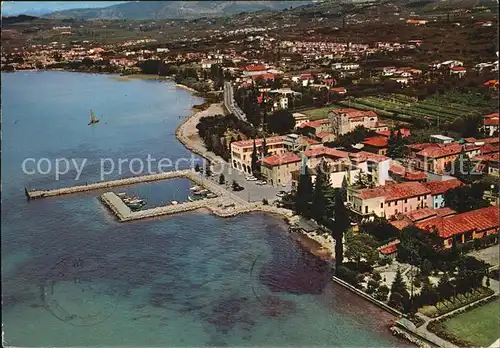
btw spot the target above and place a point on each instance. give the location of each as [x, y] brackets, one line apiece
[187, 173]
[220, 206]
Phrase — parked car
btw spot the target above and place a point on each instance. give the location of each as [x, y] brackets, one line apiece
[261, 182]
[281, 194]
[251, 178]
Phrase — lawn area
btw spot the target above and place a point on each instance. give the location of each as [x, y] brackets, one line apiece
[479, 326]
[319, 113]
[460, 301]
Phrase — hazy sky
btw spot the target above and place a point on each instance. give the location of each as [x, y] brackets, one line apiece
[19, 7]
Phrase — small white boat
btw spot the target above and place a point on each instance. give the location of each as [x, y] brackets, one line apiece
[196, 188]
[174, 203]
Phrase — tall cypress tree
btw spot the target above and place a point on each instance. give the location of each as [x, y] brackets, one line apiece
[320, 202]
[304, 195]
[264, 148]
[254, 164]
[340, 226]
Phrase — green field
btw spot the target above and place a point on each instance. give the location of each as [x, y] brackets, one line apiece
[478, 326]
[319, 113]
[437, 109]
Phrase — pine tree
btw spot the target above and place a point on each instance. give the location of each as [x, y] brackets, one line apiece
[400, 298]
[361, 180]
[398, 285]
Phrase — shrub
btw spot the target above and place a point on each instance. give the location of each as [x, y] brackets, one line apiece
[265, 201]
[376, 276]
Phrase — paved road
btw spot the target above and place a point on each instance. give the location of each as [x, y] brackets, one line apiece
[230, 104]
[252, 192]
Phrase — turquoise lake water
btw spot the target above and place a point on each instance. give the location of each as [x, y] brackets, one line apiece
[73, 276]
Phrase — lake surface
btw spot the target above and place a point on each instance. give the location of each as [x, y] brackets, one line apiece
[73, 276]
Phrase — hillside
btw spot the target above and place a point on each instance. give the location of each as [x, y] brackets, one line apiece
[175, 9]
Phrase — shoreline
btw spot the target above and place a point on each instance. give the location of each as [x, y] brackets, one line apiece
[315, 244]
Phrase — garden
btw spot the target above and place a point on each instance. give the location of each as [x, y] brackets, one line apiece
[477, 327]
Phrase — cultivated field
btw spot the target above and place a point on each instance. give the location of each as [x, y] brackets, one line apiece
[437, 109]
[320, 113]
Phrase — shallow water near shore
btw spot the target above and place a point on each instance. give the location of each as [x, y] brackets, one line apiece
[74, 276]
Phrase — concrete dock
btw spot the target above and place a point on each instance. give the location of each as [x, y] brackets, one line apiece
[215, 205]
[188, 174]
[108, 184]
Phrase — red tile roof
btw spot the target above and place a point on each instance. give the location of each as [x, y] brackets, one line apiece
[491, 122]
[441, 150]
[323, 134]
[396, 191]
[489, 148]
[363, 156]
[315, 124]
[325, 151]
[338, 89]
[389, 248]
[440, 187]
[407, 173]
[309, 141]
[400, 224]
[258, 141]
[280, 159]
[265, 76]
[255, 68]
[354, 113]
[376, 141]
[495, 114]
[490, 157]
[387, 133]
[476, 220]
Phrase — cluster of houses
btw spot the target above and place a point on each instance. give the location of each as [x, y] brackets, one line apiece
[407, 191]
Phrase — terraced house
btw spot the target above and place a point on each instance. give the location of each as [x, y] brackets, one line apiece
[437, 158]
[389, 200]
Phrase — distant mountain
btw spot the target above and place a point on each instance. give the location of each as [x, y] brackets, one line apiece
[143, 10]
[17, 19]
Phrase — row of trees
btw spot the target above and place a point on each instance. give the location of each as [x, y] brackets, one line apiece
[217, 133]
[464, 282]
[323, 203]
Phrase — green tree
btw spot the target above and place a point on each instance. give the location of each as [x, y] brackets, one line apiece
[466, 198]
[255, 158]
[398, 284]
[399, 298]
[340, 226]
[197, 168]
[222, 179]
[361, 180]
[265, 150]
[320, 201]
[396, 145]
[381, 293]
[281, 122]
[304, 194]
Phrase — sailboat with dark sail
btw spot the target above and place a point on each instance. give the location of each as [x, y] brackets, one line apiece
[93, 119]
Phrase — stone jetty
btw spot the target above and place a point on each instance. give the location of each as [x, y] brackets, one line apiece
[217, 206]
[188, 173]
